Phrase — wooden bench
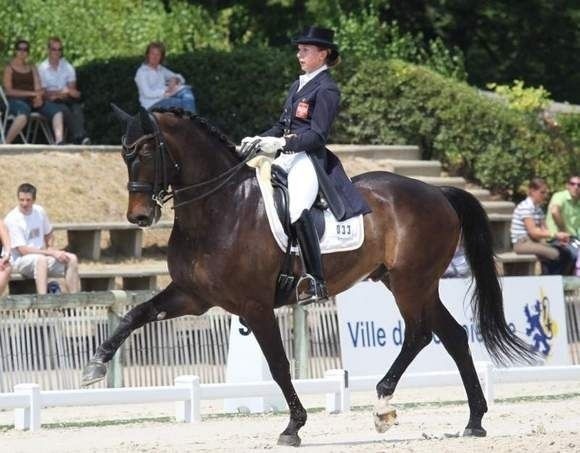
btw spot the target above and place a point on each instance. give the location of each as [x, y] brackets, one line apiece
[513, 264]
[134, 277]
[84, 239]
[500, 230]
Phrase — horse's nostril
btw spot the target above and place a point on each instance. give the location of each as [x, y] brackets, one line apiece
[143, 220]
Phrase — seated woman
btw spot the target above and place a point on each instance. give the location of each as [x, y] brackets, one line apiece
[24, 93]
[158, 86]
[5, 267]
[529, 231]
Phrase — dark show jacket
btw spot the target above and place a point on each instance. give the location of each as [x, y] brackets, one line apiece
[305, 123]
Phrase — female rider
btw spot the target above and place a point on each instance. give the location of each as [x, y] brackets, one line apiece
[299, 137]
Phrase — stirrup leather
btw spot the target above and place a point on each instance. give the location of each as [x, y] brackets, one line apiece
[310, 290]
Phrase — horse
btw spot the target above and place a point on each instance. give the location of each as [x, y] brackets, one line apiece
[221, 253]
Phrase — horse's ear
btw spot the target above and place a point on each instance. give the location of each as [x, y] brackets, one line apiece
[123, 116]
[146, 123]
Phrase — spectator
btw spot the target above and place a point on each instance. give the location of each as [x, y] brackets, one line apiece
[59, 80]
[32, 252]
[5, 267]
[24, 92]
[564, 214]
[458, 267]
[158, 86]
[529, 232]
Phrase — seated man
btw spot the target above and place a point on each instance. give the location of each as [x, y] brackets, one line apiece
[564, 214]
[160, 87]
[529, 232]
[31, 238]
[59, 81]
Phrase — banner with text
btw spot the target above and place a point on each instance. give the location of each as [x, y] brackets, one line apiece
[372, 329]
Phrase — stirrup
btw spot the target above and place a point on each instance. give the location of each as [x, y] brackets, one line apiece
[313, 290]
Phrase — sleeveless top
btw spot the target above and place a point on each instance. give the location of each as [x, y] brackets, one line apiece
[22, 80]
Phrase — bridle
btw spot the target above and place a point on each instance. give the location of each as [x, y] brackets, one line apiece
[159, 189]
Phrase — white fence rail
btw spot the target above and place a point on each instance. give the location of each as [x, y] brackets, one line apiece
[28, 400]
[187, 392]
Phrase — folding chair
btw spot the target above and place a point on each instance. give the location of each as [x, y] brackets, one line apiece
[6, 117]
[36, 121]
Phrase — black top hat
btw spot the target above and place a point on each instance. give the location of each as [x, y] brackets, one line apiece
[321, 37]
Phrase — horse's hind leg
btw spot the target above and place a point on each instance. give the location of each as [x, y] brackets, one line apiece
[454, 338]
[169, 303]
[418, 334]
[265, 328]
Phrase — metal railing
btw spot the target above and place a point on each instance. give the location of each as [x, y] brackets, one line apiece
[48, 339]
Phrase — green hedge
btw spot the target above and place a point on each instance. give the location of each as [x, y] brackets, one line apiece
[240, 92]
[389, 102]
[482, 139]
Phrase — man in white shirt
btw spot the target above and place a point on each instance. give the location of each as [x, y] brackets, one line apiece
[59, 81]
[31, 239]
[160, 87]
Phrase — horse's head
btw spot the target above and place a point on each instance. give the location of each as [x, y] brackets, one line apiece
[149, 163]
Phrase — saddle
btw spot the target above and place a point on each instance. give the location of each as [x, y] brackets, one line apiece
[334, 235]
[279, 181]
[287, 281]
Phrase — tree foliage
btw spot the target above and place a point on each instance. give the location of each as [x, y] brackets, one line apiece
[101, 29]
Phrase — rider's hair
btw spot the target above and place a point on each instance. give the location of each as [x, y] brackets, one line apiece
[155, 45]
[27, 188]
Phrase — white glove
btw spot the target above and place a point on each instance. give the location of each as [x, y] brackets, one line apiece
[246, 141]
[270, 145]
[249, 139]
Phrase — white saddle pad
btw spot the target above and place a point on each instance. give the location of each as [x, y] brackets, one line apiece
[338, 236]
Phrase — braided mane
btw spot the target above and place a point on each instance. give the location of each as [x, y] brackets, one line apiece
[202, 122]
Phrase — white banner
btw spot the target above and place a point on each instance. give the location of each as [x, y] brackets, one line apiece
[246, 363]
[372, 329]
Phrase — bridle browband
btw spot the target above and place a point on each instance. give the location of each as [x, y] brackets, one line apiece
[159, 190]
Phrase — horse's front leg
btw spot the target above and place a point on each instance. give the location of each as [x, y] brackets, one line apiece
[265, 327]
[170, 303]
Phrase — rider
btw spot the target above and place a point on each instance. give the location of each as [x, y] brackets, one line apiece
[299, 138]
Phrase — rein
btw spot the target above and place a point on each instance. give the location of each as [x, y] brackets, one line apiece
[160, 188]
[249, 150]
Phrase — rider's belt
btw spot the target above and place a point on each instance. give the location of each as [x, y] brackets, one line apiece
[287, 151]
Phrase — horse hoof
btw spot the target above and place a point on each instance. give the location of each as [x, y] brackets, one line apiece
[474, 432]
[93, 372]
[289, 440]
[385, 415]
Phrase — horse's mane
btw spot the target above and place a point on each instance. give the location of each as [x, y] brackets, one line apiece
[202, 122]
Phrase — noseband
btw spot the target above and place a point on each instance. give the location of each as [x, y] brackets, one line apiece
[159, 190]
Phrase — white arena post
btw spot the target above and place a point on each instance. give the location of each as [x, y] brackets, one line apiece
[338, 401]
[28, 418]
[189, 410]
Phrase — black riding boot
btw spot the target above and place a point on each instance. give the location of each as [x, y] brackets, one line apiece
[312, 287]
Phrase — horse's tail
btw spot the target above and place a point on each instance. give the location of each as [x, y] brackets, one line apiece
[487, 300]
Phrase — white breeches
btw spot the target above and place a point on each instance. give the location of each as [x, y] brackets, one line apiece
[302, 182]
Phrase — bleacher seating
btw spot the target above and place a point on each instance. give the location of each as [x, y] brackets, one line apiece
[131, 276]
[84, 239]
[126, 240]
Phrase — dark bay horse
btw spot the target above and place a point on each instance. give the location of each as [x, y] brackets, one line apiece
[221, 252]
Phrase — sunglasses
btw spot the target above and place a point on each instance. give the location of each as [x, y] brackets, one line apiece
[22, 49]
[576, 184]
[56, 49]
